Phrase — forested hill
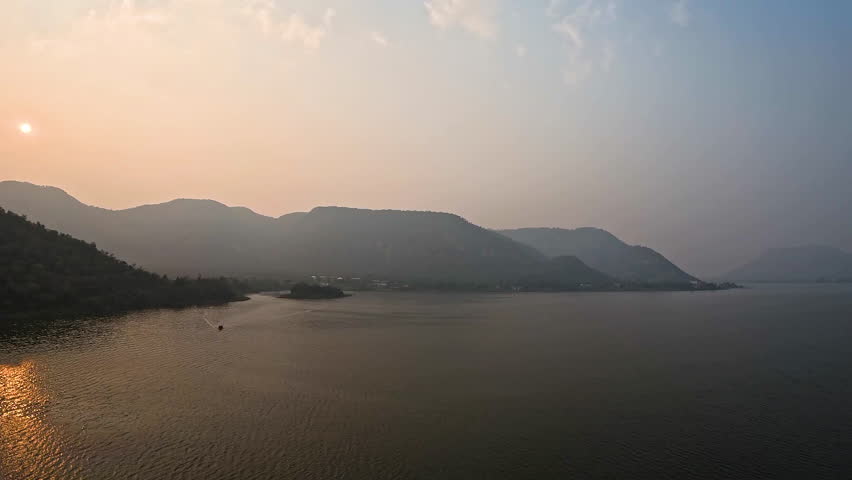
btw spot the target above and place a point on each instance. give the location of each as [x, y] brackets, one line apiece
[42, 270]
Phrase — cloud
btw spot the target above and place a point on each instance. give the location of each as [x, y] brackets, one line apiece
[142, 33]
[296, 29]
[587, 12]
[477, 17]
[679, 13]
[261, 11]
[379, 39]
[584, 31]
[553, 8]
[570, 31]
[118, 27]
[292, 28]
[127, 15]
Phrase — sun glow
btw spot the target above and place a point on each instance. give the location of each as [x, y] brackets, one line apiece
[25, 128]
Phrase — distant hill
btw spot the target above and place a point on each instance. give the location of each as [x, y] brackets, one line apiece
[418, 245]
[603, 251]
[797, 264]
[44, 270]
[181, 237]
[206, 237]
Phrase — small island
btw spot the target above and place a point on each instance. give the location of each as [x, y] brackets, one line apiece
[304, 291]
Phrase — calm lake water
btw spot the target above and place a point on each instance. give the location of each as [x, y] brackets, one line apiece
[749, 384]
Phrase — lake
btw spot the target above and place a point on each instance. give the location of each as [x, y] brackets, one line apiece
[753, 383]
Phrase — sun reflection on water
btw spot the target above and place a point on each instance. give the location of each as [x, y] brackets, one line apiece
[28, 442]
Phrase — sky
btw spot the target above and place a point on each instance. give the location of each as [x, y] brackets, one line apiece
[708, 130]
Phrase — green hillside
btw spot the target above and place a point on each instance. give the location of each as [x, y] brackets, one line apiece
[42, 270]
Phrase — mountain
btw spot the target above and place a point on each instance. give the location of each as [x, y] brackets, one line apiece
[207, 237]
[797, 264]
[605, 252]
[44, 270]
[551, 275]
[181, 237]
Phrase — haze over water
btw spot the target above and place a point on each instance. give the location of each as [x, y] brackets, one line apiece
[749, 383]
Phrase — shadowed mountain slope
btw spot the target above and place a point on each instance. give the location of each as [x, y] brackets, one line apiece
[603, 251]
[44, 270]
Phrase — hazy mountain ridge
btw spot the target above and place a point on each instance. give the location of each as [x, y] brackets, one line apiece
[178, 237]
[207, 237]
[808, 263]
[45, 270]
[603, 251]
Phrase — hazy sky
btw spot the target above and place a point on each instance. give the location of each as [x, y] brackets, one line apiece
[705, 129]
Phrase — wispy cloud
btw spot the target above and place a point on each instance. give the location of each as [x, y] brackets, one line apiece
[117, 27]
[292, 27]
[139, 42]
[572, 32]
[127, 15]
[379, 39]
[679, 13]
[588, 49]
[261, 11]
[478, 17]
[296, 29]
[553, 7]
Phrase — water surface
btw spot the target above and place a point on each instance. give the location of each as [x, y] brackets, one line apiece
[752, 383]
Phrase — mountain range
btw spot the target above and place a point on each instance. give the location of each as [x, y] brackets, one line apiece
[797, 264]
[603, 251]
[189, 237]
[192, 237]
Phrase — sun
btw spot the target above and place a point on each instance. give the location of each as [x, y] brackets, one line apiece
[25, 128]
